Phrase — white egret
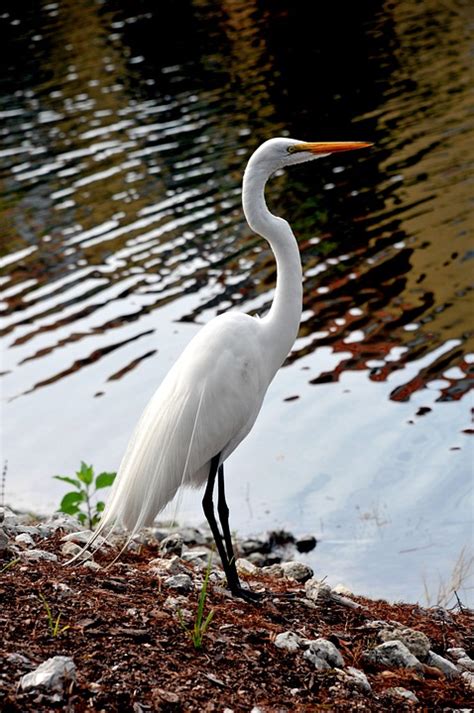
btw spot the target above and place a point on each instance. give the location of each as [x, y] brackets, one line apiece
[209, 400]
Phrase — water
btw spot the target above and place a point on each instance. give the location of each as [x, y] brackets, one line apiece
[124, 133]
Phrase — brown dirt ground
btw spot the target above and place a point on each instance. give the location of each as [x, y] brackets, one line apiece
[133, 655]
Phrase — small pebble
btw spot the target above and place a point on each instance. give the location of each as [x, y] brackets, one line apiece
[297, 570]
[400, 692]
[180, 582]
[288, 640]
[447, 667]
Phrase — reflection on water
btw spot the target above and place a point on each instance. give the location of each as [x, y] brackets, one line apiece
[122, 149]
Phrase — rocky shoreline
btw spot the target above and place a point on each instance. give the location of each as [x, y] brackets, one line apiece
[87, 637]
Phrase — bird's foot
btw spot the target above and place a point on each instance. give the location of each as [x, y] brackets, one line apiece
[246, 594]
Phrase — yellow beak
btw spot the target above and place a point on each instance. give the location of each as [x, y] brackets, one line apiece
[320, 147]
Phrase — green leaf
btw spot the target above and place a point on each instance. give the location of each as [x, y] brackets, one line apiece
[104, 480]
[81, 516]
[70, 502]
[86, 473]
[71, 481]
[100, 506]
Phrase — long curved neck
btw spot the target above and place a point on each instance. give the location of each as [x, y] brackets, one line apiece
[281, 324]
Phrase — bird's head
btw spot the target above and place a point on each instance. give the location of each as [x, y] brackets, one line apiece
[280, 152]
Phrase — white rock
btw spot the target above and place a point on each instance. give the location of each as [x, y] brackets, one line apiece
[37, 555]
[181, 582]
[468, 677]
[400, 692]
[63, 590]
[456, 653]
[168, 567]
[288, 640]
[25, 539]
[415, 641]
[201, 554]
[53, 674]
[359, 679]
[71, 549]
[298, 571]
[393, 653]
[465, 663]
[18, 659]
[245, 567]
[342, 589]
[90, 564]
[447, 667]
[175, 603]
[326, 651]
[317, 590]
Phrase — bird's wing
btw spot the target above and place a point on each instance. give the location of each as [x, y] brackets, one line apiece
[206, 405]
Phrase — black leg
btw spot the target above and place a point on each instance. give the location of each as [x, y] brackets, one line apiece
[226, 554]
[223, 510]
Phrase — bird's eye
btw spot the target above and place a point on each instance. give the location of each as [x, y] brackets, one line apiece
[291, 148]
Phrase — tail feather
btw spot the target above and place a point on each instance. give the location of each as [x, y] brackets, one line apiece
[160, 457]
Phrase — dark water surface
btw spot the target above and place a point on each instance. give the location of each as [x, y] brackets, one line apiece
[125, 128]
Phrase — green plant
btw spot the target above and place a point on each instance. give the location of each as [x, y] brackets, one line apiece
[7, 565]
[79, 502]
[53, 624]
[200, 625]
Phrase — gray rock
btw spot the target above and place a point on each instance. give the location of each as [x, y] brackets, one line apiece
[3, 539]
[447, 667]
[297, 570]
[192, 536]
[317, 590]
[344, 601]
[180, 582]
[358, 679]
[327, 651]
[415, 641]
[288, 640]
[253, 545]
[90, 564]
[305, 543]
[25, 539]
[173, 544]
[18, 660]
[37, 555]
[395, 654]
[61, 521]
[274, 570]
[53, 675]
[318, 663]
[400, 692]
